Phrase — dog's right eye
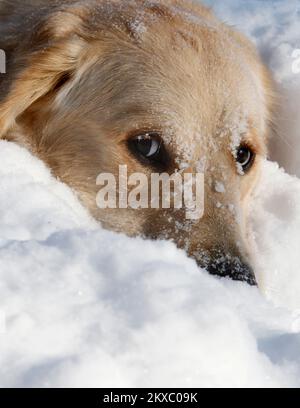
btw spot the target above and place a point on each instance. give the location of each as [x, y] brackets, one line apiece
[245, 158]
[149, 148]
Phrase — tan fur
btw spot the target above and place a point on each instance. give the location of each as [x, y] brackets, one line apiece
[95, 71]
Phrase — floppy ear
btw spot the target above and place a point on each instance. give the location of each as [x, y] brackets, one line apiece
[54, 59]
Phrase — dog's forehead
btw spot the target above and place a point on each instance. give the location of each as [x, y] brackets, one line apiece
[176, 70]
[178, 77]
[186, 69]
[199, 96]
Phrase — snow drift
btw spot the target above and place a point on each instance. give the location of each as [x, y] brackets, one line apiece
[86, 307]
[80, 306]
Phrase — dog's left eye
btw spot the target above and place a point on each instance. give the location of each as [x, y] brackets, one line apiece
[148, 147]
[245, 158]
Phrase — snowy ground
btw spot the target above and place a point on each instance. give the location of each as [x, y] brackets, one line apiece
[80, 306]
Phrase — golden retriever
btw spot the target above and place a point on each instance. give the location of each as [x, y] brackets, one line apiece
[156, 85]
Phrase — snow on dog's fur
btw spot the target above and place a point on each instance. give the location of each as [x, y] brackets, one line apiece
[88, 80]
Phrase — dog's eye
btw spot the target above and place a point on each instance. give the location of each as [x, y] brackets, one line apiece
[245, 157]
[148, 147]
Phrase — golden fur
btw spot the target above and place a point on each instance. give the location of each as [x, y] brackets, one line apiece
[83, 75]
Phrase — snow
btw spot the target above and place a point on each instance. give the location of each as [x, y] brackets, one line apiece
[219, 187]
[80, 306]
[276, 221]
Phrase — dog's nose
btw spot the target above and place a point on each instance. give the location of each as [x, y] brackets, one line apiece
[233, 268]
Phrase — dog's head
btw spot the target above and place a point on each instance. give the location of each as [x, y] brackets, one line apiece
[158, 86]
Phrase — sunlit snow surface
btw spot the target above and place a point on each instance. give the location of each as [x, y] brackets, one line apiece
[80, 306]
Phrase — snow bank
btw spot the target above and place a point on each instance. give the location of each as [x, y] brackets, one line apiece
[80, 306]
[276, 222]
[86, 307]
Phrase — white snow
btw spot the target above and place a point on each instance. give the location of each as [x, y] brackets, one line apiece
[80, 306]
[219, 187]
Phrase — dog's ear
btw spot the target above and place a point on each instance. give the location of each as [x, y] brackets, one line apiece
[53, 58]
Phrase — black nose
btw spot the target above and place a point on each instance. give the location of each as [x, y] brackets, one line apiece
[232, 267]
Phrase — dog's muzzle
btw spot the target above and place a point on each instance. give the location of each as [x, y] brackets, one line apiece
[234, 268]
